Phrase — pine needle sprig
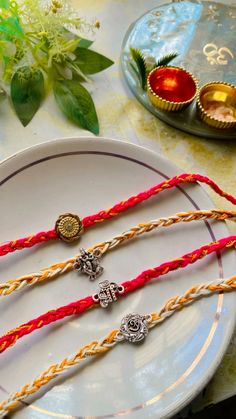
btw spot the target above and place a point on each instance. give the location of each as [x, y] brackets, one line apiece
[164, 61]
[141, 69]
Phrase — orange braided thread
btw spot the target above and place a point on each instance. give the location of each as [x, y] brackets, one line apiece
[96, 347]
[117, 209]
[60, 268]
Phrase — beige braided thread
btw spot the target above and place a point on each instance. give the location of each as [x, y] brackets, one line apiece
[94, 348]
[66, 266]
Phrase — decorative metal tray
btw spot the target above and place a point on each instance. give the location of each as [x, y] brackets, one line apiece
[203, 34]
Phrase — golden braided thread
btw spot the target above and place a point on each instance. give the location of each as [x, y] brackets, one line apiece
[62, 267]
[94, 348]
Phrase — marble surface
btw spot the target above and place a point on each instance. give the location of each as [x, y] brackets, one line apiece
[122, 117]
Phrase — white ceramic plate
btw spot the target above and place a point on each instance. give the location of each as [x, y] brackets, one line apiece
[178, 358]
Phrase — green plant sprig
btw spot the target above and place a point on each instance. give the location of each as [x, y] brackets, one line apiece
[166, 59]
[141, 67]
[41, 46]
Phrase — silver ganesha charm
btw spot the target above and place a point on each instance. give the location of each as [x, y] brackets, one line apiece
[134, 327]
[107, 293]
[89, 263]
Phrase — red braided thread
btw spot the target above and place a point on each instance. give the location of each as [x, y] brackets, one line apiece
[77, 307]
[181, 262]
[42, 236]
[117, 209]
[80, 306]
[143, 196]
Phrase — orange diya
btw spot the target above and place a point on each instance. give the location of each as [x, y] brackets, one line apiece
[171, 88]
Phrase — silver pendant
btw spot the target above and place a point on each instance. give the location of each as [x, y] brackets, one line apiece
[134, 327]
[108, 293]
[89, 263]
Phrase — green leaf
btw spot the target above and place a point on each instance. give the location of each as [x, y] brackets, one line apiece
[27, 92]
[90, 62]
[77, 104]
[135, 70]
[140, 64]
[164, 61]
[62, 71]
[10, 28]
[4, 4]
[85, 43]
[78, 77]
[77, 74]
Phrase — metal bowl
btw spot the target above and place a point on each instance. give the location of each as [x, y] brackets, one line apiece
[217, 104]
[171, 88]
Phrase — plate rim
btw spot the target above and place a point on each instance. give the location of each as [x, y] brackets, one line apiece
[108, 140]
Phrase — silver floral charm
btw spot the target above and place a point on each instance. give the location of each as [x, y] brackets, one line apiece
[107, 293]
[89, 263]
[134, 327]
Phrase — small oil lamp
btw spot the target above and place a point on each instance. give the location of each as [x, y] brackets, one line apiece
[171, 88]
[217, 105]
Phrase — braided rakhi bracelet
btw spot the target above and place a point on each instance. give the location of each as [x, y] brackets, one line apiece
[69, 227]
[134, 328]
[88, 261]
[110, 291]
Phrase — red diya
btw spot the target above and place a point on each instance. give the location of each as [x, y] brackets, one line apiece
[171, 88]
